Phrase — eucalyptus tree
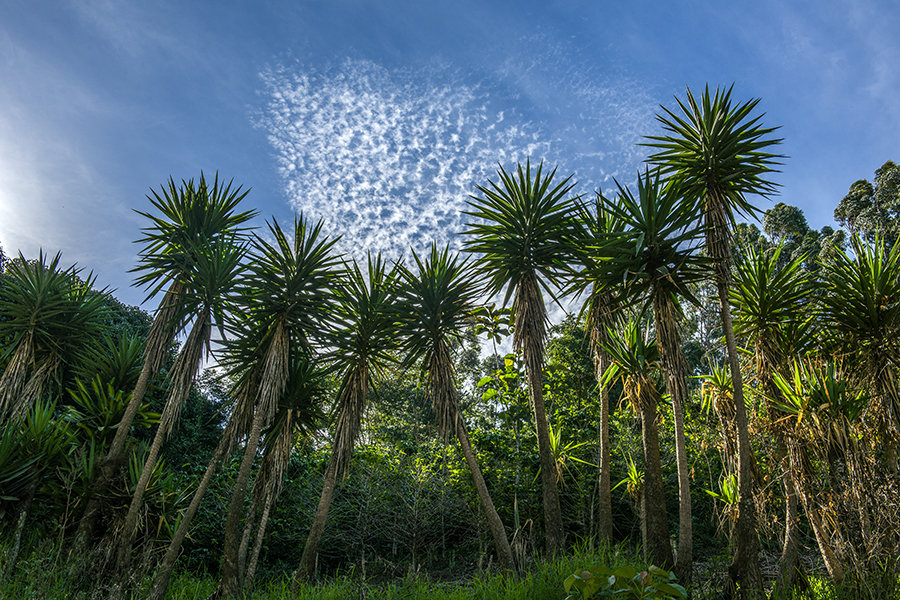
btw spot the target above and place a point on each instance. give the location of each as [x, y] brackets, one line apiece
[635, 363]
[50, 318]
[284, 303]
[523, 232]
[363, 344]
[719, 154]
[190, 217]
[437, 304]
[215, 270]
[655, 258]
[861, 310]
[600, 308]
[771, 299]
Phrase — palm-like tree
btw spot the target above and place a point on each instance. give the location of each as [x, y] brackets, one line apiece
[363, 340]
[655, 258]
[600, 309]
[769, 300]
[436, 306]
[299, 412]
[635, 362]
[718, 153]
[524, 232]
[50, 318]
[216, 267]
[286, 299]
[189, 217]
[862, 312]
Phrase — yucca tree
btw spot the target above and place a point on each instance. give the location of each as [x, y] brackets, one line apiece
[436, 305]
[635, 363]
[363, 345]
[216, 268]
[771, 302]
[861, 310]
[718, 152]
[50, 318]
[523, 232]
[655, 258]
[285, 302]
[187, 217]
[46, 440]
[590, 276]
[299, 413]
[821, 409]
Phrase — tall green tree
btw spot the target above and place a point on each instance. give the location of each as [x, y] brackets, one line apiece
[719, 153]
[523, 233]
[186, 219]
[216, 267]
[635, 363]
[871, 209]
[655, 257]
[772, 307]
[862, 313]
[363, 343]
[436, 307]
[285, 301]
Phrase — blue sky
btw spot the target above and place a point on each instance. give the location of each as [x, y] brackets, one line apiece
[380, 117]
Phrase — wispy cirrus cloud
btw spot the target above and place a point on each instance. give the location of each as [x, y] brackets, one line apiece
[388, 157]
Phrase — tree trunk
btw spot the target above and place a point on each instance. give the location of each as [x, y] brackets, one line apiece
[744, 570]
[599, 320]
[164, 573]
[308, 560]
[257, 545]
[530, 331]
[790, 553]
[20, 527]
[230, 585]
[154, 351]
[249, 523]
[656, 521]
[675, 369]
[501, 543]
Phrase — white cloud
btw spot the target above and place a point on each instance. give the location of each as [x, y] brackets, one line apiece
[388, 157]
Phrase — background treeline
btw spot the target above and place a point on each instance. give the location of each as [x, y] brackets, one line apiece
[362, 417]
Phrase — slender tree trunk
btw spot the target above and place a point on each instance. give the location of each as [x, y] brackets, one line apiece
[249, 524]
[530, 332]
[154, 352]
[20, 528]
[790, 553]
[164, 573]
[230, 586]
[308, 560]
[599, 320]
[656, 519]
[675, 369]
[184, 370]
[744, 569]
[257, 545]
[501, 543]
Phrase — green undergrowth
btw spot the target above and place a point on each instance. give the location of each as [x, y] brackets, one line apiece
[42, 574]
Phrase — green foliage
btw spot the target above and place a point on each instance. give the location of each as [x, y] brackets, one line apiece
[623, 582]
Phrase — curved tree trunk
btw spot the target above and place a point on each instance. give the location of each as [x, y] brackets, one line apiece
[501, 543]
[530, 333]
[744, 570]
[656, 520]
[154, 352]
[230, 585]
[676, 371]
[164, 573]
[311, 549]
[257, 545]
[184, 371]
[790, 553]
